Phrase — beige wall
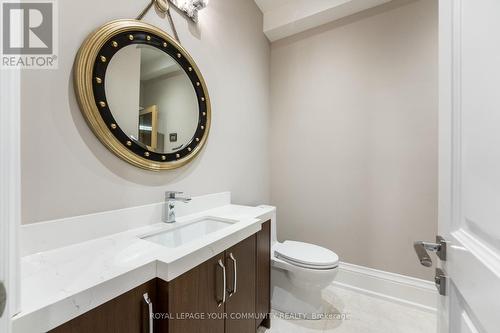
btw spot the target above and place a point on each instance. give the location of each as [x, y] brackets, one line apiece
[66, 171]
[354, 135]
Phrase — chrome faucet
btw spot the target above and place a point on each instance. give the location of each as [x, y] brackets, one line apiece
[169, 208]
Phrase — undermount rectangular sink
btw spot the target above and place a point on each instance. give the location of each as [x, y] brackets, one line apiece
[187, 233]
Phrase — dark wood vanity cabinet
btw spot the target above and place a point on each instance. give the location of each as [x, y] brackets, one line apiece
[125, 313]
[263, 275]
[196, 301]
[200, 293]
[241, 287]
[197, 293]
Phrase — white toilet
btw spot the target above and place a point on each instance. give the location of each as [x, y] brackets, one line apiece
[300, 271]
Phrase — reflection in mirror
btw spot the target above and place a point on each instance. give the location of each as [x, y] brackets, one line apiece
[151, 98]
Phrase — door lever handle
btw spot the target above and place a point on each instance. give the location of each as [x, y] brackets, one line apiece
[422, 247]
[3, 298]
[422, 254]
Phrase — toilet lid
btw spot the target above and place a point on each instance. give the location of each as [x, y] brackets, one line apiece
[306, 255]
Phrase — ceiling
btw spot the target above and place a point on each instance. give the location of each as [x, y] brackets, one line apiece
[283, 18]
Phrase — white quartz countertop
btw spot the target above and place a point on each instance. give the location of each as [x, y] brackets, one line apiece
[60, 284]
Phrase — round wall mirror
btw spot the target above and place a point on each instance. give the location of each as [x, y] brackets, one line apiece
[142, 95]
[152, 98]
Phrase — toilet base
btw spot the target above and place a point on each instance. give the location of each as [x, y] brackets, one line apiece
[294, 301]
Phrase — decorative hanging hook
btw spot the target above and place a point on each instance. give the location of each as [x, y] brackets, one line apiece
[163, 7]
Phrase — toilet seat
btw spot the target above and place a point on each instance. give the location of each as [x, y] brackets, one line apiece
[306, 255]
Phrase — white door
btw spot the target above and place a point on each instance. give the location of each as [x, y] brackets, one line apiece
[470, 164]
[9, 194]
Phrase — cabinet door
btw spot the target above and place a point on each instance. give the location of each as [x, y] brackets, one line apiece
[198, 292]
[240, 263]
[263, 276]
[125, 313]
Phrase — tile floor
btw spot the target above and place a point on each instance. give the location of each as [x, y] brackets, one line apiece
[362, 314]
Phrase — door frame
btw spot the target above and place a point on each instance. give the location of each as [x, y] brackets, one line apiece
[446, 130]
[10, 190]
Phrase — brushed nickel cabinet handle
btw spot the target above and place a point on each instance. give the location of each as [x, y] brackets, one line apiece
[221, 265]
[235, 274]
[150, 307]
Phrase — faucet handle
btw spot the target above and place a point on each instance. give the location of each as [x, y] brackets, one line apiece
[172, 194]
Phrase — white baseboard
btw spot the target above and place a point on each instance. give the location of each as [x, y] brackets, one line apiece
[395, 287]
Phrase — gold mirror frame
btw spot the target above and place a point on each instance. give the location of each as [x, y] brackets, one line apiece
[84, 81]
